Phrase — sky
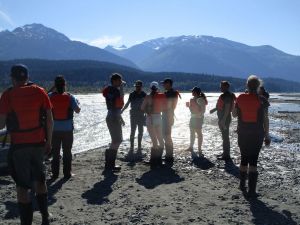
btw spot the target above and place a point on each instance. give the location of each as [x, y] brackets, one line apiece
[129, 22]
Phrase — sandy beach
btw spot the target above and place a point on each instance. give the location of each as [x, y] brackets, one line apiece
[194, 191]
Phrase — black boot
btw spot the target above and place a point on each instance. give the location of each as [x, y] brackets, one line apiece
[55, 167]
[42, 201]
[243, 177]
[153, 158]
[110, 160]
[26, 213]
[252, 184]
[169, 159]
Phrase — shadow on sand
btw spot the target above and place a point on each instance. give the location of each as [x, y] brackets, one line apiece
[53, 188]
[156, 177]
[202, 162]
[265, 215]
[232, 169]
[101, 190]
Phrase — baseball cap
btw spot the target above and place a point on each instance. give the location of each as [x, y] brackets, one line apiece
[167, 80]
[154, 85]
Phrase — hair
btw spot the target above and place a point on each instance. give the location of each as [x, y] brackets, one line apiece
[115, 76]
[19, 72]
[60, 84]
[225, 83]
[253, 83]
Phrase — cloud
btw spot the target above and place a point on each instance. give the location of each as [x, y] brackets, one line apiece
[6, 18]
[101, 42]
[106, 40]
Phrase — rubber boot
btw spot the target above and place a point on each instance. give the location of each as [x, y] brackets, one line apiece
[108, 162]
[42, 201]
[243, 177]
[26, 213]
[112, 160]
[252, 184]
[169, 159]
[153, 158]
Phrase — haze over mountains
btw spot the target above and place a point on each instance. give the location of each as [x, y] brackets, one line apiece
[212, 55]
[189, 54]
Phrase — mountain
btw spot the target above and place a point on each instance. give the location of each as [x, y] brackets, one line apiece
[40, 42]
[86, 75]
[212, 55]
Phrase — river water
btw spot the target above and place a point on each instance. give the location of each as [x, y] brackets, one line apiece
[91, 131]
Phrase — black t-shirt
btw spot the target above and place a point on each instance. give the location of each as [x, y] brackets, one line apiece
[136, 99]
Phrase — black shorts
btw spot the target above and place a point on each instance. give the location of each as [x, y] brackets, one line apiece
[115, 128]
[27, 165]
[250, 145]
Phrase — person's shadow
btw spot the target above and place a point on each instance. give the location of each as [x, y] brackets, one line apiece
[202, 162]
[264, 215]
[231, 168]
[53, 188]
[101, 190]
[156, 177]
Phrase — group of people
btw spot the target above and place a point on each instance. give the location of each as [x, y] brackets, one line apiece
[40, 122]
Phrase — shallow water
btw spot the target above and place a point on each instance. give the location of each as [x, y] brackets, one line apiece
[91, 131]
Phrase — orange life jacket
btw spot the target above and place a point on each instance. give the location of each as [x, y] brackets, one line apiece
[62, 109]
[27, 118]
[250, 111]
[220, 103]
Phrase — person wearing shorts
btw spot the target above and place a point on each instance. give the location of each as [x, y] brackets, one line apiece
[253, 128]
[25, 109]
[152, 106]
[197, 106]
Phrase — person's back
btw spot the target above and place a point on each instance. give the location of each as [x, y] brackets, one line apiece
[25, 105]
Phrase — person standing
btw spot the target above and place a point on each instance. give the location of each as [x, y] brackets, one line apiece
[137, 117]
[168, 118]
[64, 105]
[253, 128]
[224, 107]
[153, 106]
[197, 106]
[25, 109]
[114, 97]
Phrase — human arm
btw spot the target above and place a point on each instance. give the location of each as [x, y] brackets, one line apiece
[126, 105]
[266, 127]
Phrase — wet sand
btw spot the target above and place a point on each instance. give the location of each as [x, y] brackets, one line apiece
[194, 191]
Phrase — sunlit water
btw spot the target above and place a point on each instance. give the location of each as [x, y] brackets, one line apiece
[91, 131]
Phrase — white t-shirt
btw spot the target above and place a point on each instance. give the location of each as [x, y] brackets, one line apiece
[202, 103]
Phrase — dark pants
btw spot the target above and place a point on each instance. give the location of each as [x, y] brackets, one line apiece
[225, 138]
[136, 120]
[62, 139]
[115, 128]
[250, 145]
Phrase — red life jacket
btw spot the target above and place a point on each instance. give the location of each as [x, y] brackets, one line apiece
[158, 103]
[26, 119]
[114, 100]
[62, 109]
[250, 112]
[220, 103]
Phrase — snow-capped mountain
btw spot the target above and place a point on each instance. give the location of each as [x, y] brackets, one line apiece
[40, 42]
[212, 55]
